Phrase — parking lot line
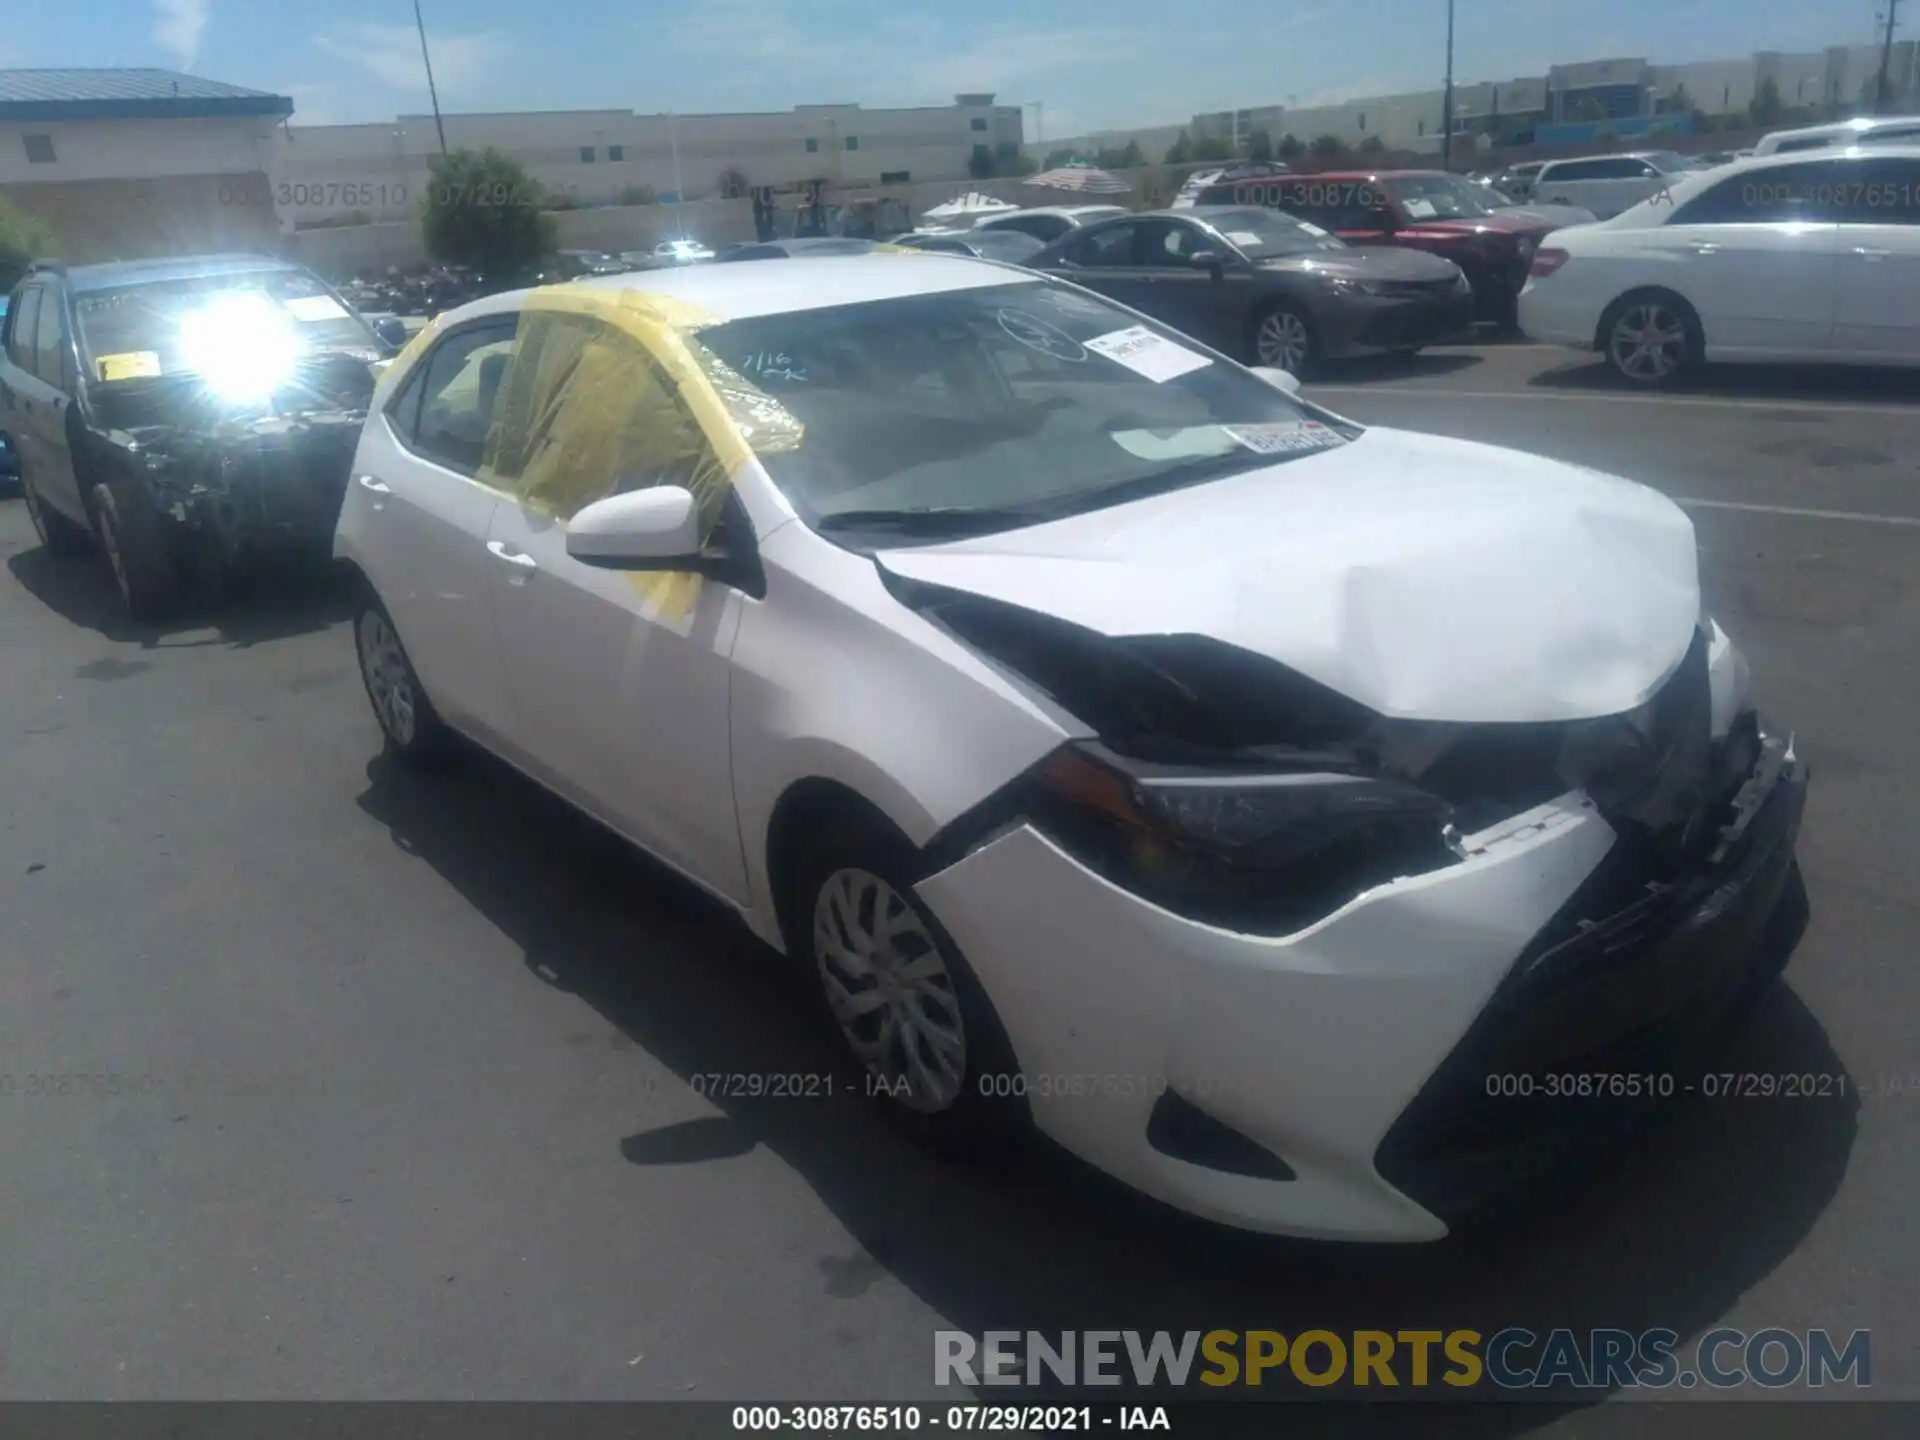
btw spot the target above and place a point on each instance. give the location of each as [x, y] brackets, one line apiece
[1422, 392]
[1799, 514]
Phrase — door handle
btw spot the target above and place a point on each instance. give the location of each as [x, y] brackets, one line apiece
[377, 486]
[1868, 252]
[517, 558]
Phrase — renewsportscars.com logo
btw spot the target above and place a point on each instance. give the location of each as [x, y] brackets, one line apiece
[1511, 1359]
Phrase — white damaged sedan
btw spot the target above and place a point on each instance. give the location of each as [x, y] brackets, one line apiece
[1319, 828]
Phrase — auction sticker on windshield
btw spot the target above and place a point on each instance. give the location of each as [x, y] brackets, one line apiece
[1145, 353]
[1243, 237]
[1286, 439]
[128, 365]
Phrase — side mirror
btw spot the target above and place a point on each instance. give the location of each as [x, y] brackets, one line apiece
[392, 331]
[1280, 379]
[653, 529]
[1211, 261]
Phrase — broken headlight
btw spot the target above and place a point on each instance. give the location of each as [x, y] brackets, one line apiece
[1265, 851]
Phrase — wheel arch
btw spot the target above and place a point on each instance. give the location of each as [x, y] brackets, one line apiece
[1619, 302]
[811, 806]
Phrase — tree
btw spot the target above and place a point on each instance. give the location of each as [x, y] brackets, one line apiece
[1021, 164]
[732, 183]
[1131, 157]
[980, 163]
[638, 195]
[1056, 158]
[1765, 107]
[1210, 147]
[1290, 148]
[24, 238]
[1328, 149]
[1259, 146]
[483, 209]
[1178, 153]
[1681, 100]
[1373, 145]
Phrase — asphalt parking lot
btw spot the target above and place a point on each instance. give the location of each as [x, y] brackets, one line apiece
[408, 1104]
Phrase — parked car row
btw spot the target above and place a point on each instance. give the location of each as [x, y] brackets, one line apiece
[1059, 693]
[1797, 255]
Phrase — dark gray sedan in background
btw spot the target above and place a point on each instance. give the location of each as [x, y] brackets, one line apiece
[1264, 287]
[1016, 247]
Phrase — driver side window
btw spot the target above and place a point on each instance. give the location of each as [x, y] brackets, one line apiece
[589, 412]
[1106, 245]
[1169, 242]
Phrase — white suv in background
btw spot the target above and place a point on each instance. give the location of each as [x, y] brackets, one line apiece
[1608, 184]
[1864, 130]
[1810, 256]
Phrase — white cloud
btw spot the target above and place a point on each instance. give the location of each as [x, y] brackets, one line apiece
[178, 26]
[391, 54]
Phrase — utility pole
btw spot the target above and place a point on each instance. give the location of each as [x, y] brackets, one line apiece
[1446, 104]
[1881, 99]
[432, 94]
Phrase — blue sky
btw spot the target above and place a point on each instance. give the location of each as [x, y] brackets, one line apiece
[1091, 63]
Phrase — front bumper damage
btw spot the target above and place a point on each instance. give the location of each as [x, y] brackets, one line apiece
[1359, 1053]
[246, 491]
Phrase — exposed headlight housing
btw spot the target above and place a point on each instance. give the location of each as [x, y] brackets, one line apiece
[1268, 851]
[1346, 285]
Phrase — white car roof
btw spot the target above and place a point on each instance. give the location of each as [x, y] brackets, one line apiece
[1859, 125]
[777, 287]
[1690, 183]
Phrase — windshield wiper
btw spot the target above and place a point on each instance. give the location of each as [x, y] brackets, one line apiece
[929, 519]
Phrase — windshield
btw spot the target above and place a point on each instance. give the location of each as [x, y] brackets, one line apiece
[1439, 197]
[1265, 234]
[150, 328]
[984, 409]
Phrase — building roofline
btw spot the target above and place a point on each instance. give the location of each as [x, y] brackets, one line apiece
[184, 107]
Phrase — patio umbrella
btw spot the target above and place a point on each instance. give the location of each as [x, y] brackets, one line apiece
[1081, 179]
[972, 203]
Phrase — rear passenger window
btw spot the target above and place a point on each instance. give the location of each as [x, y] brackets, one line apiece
[458, 388]
[1109, 245]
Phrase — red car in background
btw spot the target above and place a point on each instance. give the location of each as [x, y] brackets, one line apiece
[1427, 210]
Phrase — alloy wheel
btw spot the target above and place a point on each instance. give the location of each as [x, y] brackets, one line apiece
[1282, 341]
[1648, 341]
[389, 680]
[890, 990]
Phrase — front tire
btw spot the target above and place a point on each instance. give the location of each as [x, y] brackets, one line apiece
[415, 734]
[907, 1007]
[138, 549]
[1651, 338]
[59, 536]
[1284, 339]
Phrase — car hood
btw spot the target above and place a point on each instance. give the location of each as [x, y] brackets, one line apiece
[1368, 262]
[1423, 577]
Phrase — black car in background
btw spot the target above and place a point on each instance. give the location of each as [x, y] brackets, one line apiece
[185, 415]
[1265, 288]
[1015, 247]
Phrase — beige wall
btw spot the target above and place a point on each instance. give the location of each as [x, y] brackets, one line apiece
[122, 149]
[135, 219]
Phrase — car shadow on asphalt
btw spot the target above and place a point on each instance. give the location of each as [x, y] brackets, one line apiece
[274, 605]
[1669, 1234]
[1808, 384]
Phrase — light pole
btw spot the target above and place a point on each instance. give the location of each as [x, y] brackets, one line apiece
[432, 93]
[1446, 103]
[1880, 96]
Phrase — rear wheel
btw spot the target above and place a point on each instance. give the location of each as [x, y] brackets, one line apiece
[1651, 338]
[1283, 339]
[137, 548]
[414, 732]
